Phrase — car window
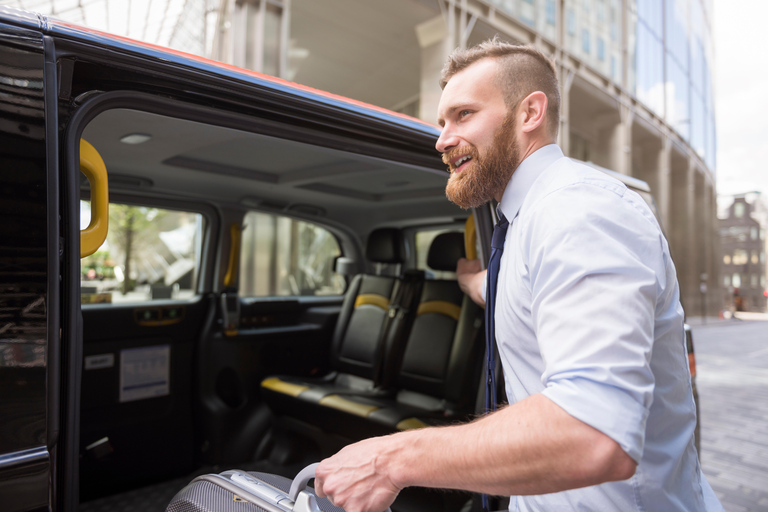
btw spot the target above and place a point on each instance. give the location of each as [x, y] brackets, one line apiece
[423, 241]
[150, 253]
[281, 256]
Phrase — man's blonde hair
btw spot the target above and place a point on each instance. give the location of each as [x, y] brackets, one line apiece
[522, 70]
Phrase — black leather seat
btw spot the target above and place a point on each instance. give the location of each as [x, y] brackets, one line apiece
[358, 346]
[438, 373]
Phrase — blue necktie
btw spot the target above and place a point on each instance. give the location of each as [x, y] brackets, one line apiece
[497, 247]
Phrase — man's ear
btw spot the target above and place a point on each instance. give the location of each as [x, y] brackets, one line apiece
[533, 111]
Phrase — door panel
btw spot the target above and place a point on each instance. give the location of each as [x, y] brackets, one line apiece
[26, 273]
[138, 385]
[275, 337]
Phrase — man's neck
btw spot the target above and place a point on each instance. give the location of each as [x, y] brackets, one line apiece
[530, 149]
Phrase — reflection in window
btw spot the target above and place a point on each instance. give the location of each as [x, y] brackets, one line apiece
[281, 256]
[149, 253]
[650, 11]
[727, 259]
[676, 25]
[698, 123]
[649, 69]
[677, 94]
[740, 257]
[736, 281]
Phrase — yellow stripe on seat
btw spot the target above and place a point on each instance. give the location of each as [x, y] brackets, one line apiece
[440, 306]
[275, 384]
[373, 299]
[348, 406]
[411, 424]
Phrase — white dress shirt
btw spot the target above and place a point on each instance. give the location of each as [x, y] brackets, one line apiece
[588, 314]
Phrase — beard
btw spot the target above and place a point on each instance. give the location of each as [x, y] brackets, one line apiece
[486, 176]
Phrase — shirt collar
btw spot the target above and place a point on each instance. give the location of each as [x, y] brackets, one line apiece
[523, 178]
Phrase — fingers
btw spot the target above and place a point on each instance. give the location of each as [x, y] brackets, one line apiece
[353, 486]
[465, 266]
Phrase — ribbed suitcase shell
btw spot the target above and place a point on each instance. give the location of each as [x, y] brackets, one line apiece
[205, 496]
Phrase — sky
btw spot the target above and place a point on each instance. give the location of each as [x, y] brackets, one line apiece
[741, 95]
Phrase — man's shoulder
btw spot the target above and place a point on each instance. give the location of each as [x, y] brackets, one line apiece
[570, 192]
[566, 174]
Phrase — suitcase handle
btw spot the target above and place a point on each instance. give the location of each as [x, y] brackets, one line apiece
[302, 479]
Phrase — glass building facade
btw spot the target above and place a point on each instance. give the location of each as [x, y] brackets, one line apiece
[669, 54]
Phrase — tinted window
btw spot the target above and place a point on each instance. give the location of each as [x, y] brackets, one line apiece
[281, 256]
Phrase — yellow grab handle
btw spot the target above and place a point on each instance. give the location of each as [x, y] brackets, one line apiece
[470, 238]
[94, 169]
[234, 255]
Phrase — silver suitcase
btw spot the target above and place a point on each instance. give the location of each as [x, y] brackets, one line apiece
[241, 491]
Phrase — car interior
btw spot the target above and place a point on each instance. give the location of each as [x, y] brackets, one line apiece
[261, 301]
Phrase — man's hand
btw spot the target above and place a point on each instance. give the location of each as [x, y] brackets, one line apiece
[471, 275]
[358, 478]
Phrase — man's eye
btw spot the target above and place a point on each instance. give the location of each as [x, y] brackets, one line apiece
[464, 113]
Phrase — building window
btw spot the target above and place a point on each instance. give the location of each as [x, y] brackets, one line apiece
[570, 18]
[727, 259]
[551, 12]
[762, 257]
[740, 257]
[726, 281]
[585, 41]
[762, 281]
[753, 280]
[754, 258]
[600, 48]
[736, 281]
[738, 210]
[753, 233]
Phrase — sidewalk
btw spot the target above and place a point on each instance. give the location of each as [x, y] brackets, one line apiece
[737, 317]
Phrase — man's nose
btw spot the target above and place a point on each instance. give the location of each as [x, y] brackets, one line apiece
[446, 141]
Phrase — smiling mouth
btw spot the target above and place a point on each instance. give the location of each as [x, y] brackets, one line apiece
[460, 162]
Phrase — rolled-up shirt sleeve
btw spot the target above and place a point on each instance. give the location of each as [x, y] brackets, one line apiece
[593, 279]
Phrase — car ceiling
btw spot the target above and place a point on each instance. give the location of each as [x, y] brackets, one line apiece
[197, 161]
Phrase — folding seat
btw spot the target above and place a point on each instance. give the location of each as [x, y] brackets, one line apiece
[371, 309]
[438, 371]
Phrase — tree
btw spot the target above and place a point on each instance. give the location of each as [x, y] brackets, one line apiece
[130, 228]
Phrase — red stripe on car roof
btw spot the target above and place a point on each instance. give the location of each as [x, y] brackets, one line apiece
[256, 74]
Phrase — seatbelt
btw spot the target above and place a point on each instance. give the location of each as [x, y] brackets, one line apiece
[399, 317]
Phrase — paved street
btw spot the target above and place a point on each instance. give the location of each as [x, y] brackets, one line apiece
[732, 367]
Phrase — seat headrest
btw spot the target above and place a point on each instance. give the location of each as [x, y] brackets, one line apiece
[385, 245]
[445, 251]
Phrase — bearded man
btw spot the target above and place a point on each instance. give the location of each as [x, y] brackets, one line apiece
[586, 314]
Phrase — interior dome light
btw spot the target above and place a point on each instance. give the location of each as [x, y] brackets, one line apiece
[135, 138]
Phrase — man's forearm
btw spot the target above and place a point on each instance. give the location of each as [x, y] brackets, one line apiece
[533, 447]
